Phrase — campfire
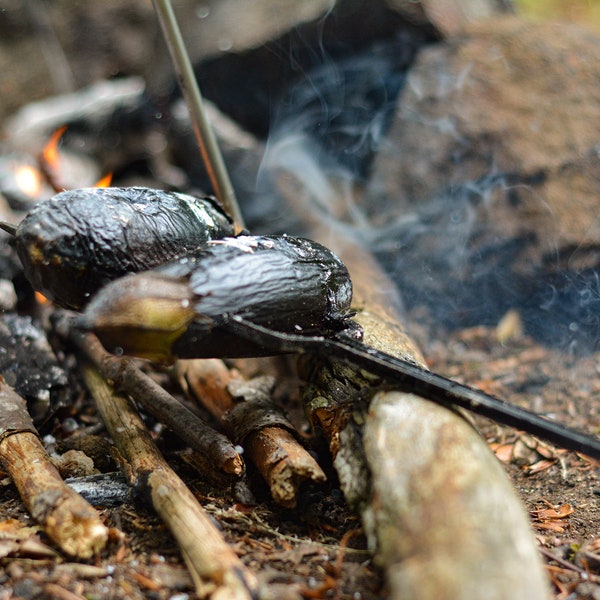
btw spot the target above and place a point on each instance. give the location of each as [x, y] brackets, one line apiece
[173, 358]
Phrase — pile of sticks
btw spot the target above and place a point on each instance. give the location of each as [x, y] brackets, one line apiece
[410, 467]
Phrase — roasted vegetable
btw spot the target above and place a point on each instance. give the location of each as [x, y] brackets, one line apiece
[79, 240]
[249, 296]
[181, 309]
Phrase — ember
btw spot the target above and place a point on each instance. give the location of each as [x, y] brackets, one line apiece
[29, 180]
[104, 181]
[50, 154]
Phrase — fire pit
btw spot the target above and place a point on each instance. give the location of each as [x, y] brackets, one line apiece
[476, 281]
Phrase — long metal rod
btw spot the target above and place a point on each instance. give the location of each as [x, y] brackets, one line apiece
[412, 378]
[209, 148]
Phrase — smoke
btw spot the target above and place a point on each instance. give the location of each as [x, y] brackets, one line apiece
[448, 253]
[327, 128]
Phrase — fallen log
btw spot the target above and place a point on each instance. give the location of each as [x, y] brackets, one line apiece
[439, 512]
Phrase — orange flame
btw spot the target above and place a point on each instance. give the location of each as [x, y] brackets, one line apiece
[40, 298]
[105, 181]
[50, 151]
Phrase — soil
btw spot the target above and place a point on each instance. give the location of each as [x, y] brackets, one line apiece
[317, 550]
[559, 489]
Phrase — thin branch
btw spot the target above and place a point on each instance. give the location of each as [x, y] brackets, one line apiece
[209, 148]
[128, 378]
[408, 376]
[214, 566]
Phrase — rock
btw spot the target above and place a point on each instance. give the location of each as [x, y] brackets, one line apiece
[59, 47]
[248, 84]
[450, 16]
[29, 365]
[492, 167]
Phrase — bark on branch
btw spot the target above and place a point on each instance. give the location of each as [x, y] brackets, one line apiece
[252, 420]
[127, 377]
[71, 522]
[215, 568]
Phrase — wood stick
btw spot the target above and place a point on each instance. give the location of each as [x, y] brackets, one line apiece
[439, 511]
[71, 522]
[215, 568]
[209, 148]
[128, 378]
[255, 422]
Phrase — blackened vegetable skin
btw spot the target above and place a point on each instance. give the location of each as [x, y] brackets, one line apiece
[79, 240]
[281, 282]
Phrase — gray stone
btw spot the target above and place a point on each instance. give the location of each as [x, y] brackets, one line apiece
[489, 178]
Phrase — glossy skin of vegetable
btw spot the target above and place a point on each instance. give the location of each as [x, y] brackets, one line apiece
[76, 242]
[182, 308]
[251, 296]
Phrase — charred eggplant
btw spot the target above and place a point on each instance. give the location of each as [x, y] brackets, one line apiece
[181, 309]
[79, 240]
[249, 296]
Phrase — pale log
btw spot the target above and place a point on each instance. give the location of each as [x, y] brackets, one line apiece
[439, 512]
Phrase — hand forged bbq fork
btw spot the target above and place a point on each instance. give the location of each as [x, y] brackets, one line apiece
[410, 377]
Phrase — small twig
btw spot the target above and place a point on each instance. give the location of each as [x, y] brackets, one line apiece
[9, 228]
[214, 567]
[209, 148]
[260, 526]
[561, 561]
[66, 517]
[255, 422]
[128, 378]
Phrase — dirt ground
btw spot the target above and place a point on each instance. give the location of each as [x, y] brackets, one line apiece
[318, 550]
[559, 489]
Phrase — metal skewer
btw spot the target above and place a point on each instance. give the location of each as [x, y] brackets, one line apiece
[413, 378]
[209, 148]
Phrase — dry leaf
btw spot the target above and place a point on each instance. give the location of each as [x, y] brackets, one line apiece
[552, 518]
[503, 452]
[540, 465]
